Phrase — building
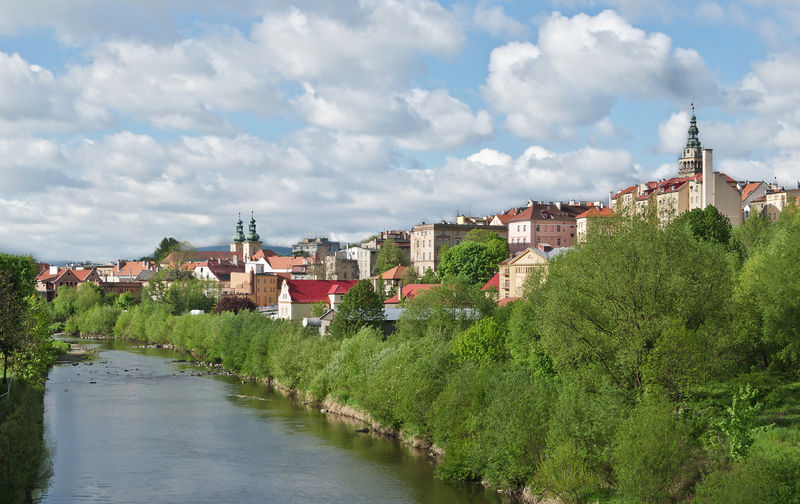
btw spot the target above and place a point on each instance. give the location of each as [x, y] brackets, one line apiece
[553, 223]
[401, 238]
[340, 266]
[51, 278]
[217, 271]
[266, 263]
[364, 257]
[391, 279]
[263, 288]
[428, 239]
[582, 220]
[774, 200]
[696, 186]
[408, 292]
[297, 297]
[514, 271]
[315, 247]
[751, 191]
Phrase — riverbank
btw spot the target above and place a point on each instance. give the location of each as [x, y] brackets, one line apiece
[157, 434]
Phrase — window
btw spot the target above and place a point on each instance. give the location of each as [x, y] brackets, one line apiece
[558, 228]
[524, 227]
[517, 227]
[558, 242]
[537, 228]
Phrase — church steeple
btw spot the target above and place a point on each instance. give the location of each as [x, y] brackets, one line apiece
[252, 235]
[692, 160]
[693, 131]
[239, 236]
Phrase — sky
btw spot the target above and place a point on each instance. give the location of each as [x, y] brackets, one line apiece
[125, 122]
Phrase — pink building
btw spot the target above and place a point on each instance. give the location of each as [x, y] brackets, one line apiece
[552, 223]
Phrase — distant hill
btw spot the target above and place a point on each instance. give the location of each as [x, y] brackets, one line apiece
[281, 251]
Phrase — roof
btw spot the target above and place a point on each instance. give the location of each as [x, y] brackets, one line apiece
[337, 289]
[82, 274]
[392, 274]
[752, 186]
[493, 282]
[505, 301]
[624, 191]
[596, 212]
[263, 254]
[314, 291]
[544, 211]
[285, 262]
[131, 268]
[199, 255]
[409, 292]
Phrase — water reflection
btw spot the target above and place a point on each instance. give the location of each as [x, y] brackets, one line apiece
[132, 425]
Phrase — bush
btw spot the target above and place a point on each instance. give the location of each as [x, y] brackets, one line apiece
[653, 458]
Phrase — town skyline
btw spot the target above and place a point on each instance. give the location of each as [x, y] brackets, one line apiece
[121, 127]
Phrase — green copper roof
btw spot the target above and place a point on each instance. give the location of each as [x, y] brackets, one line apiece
[693, 131]
[252, 235]
[239, 236]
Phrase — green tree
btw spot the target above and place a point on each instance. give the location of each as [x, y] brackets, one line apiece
[608, 303]
[360, 307]
[469, 260]
[17, 276]
[707, 224]
[768, 296]
[164, 248]
[64, 303]
[125, 301]
[389, 256]
[483, 340]
[234, 304]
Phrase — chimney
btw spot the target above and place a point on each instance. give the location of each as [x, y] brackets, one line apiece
[53, 270]
[400, 291]
[708, 178]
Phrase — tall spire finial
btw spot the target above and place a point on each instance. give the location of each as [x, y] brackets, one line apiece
[239, 236]
[252, 235]
[693, 131]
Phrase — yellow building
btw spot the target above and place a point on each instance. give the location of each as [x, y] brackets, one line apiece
[514, 271]
[773, 202]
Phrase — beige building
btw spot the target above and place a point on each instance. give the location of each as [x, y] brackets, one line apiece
[262, 289]
[428, 239]
[341, 267]
[552, 223]
[772, 203]
[582, 221]
[514, 271]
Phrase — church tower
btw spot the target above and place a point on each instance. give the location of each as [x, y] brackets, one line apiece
[252, 243]
[238, 238]
[692, 160]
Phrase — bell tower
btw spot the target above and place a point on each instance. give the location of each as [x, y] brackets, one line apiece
[692, 160]
[252, 242]
[238, 238]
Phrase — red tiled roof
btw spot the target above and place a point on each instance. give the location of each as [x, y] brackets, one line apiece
[505, 301]
[749, 188]
[624, 191]
[82, 274]
[392, 274]
[314, 291]
[597, 212]
[505, 217]
[337, 289]
[263, 254]
[285, 263]
[199, 255]
[132, 268]
[409, 292]
[543, 211]
[493, 282]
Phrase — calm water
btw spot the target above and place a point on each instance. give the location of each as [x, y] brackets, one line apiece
[134, 426]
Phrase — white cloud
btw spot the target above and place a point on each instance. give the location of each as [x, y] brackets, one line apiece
[580, 67]
[132, 190]
[494, 20]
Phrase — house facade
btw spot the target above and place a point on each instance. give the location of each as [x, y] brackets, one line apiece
[552, 223]
[428, 239]
[514, 271]
[297, 297]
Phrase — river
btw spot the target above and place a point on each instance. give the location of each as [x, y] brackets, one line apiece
[134, 425]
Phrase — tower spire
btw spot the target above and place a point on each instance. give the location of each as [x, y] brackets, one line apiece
[691, 161]
[252, 235]
[239, 236]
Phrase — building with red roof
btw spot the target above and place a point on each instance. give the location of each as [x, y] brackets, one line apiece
[298, 296]
[391, 279]
[409, 291]
[696, 186]
[582, 221]
[552, 223]
[50, 279]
